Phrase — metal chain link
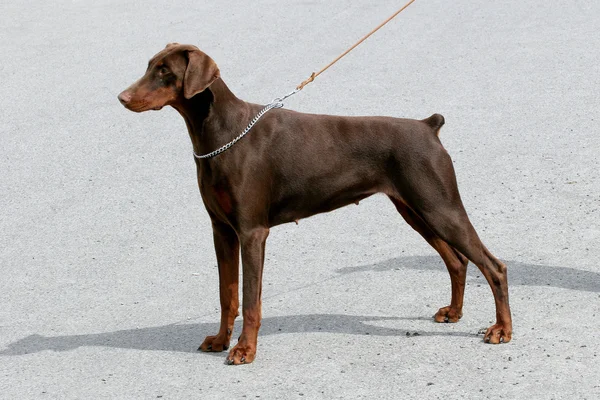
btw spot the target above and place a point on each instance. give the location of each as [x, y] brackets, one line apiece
[276, 103]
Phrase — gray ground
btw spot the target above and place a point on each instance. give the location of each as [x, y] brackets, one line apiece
[108, 273]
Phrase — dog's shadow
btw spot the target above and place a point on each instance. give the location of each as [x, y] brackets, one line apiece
[518, 273]
[187, 337]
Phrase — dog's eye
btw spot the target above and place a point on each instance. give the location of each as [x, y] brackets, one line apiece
[163, 70]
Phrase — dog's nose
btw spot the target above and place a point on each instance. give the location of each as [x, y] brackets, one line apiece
[125, 97]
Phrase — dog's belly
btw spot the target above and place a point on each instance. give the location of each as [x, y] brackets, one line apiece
[318, 197]
[304, 209]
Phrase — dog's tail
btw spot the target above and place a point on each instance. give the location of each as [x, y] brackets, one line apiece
[435, 122]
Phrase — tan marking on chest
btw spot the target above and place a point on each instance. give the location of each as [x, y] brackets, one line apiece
[223, 200]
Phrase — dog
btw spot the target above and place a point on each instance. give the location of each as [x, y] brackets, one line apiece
[293, 165]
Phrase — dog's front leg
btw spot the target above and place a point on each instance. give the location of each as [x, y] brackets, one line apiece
[253, 257]
[227, 248]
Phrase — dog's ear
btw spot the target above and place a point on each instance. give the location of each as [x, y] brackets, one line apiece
[171, 45]
[200, 73]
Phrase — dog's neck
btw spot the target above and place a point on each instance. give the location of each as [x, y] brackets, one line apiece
[213, 117]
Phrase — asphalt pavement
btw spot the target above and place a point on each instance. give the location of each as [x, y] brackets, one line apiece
[109, 279]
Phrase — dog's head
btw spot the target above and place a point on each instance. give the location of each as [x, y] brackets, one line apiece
[179, 71]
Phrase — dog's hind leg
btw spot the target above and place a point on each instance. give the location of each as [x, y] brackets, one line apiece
[428, 186]
[454, 260]
[453, 226]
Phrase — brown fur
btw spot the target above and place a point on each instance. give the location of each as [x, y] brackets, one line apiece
[294, 165]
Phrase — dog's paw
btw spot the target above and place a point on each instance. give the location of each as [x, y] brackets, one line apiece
[447, 314]
[241, 354]
[498, 333]
[214, 343]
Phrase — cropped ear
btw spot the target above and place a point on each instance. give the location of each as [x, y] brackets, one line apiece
[201, 72]
[171, 45]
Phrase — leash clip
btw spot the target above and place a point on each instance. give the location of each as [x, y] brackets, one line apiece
[278, 101]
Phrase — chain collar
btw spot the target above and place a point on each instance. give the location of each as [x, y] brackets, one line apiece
[276, 103]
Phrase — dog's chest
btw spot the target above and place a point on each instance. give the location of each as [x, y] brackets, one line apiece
[217, 199]
[216, 193]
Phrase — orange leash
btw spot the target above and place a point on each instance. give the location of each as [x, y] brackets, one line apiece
[315, 74]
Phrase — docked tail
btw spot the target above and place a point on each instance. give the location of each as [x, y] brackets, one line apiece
[436, 121]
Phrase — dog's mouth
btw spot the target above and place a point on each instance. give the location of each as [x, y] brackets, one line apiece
[142, 106]
[138, 102]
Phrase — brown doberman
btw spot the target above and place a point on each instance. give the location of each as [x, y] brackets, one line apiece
[293, 165]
